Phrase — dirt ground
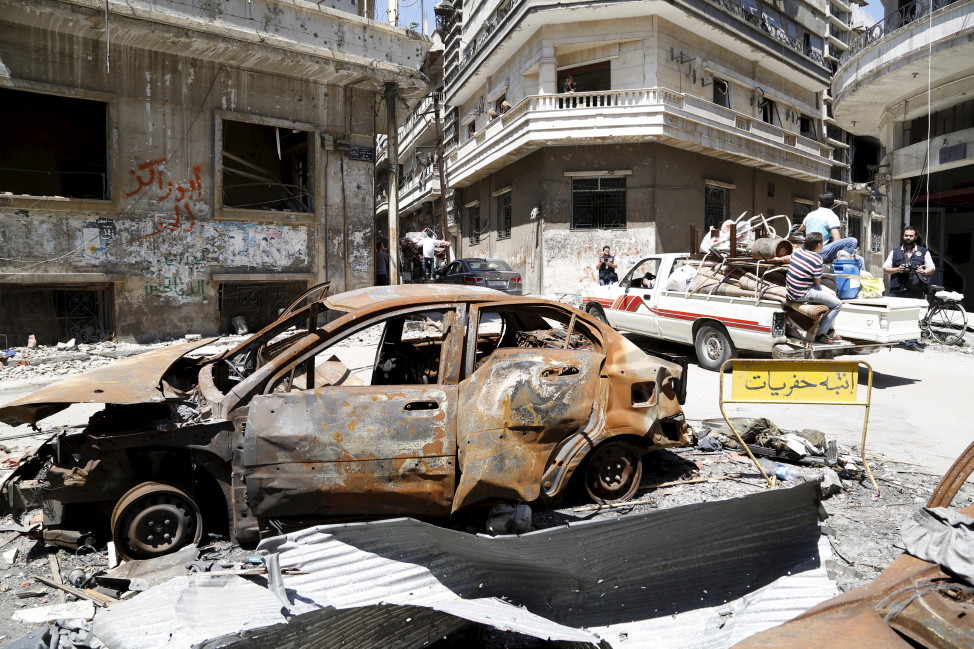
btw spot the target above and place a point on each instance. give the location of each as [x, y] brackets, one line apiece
[863, 529]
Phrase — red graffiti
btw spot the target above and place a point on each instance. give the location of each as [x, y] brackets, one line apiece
[180, 195]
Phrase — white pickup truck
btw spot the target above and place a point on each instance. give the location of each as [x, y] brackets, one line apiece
[720, 325]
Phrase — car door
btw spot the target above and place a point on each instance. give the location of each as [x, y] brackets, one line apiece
[453, 273]
[633, 310]
[333, 436]
[519, 402]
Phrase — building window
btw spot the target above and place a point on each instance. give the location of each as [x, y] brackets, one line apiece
[807, 127]
[588, 78]
[876, 236]
[55, 314]
[473, 219]
[259, 303]
[53, 146]
[768, 111]
[721, 93]
[504, 216]
[770, 190]
[471, 129]
[599, 203]
[854, 225]
[266, 168]
[799, 211]
[716, 207]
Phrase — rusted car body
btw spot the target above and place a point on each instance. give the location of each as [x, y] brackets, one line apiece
[400, 400]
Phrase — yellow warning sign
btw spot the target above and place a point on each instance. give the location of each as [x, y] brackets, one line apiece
[795, 381]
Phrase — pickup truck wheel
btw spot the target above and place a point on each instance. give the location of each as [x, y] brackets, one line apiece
[153, 519]
[596, 311]
[713, 347]
[613, 472]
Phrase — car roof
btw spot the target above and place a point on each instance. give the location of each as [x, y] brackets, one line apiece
[363, 297]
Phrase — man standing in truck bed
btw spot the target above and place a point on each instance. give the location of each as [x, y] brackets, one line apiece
[825, 222]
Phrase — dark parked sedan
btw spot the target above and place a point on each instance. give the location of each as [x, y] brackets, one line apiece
[489, 273]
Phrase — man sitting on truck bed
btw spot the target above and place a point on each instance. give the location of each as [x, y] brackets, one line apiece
[804, 283]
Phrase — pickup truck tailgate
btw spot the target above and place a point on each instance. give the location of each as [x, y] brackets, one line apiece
[880, 320]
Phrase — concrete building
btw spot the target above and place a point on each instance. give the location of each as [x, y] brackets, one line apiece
[684, 113]
[907, 83]
[166, 165]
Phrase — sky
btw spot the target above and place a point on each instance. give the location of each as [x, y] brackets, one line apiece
[411, 11]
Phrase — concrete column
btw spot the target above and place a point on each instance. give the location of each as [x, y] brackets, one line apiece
[548, 72]
[393, 14]
[392, 154]
[651, 57]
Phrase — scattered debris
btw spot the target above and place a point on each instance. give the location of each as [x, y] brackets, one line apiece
[80, 610]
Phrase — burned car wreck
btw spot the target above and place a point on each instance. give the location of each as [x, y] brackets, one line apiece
[408, 400]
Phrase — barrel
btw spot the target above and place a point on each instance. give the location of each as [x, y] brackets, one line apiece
[767, 249]
[846, 287]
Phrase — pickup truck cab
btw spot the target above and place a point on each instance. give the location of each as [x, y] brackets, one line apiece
[719, 326]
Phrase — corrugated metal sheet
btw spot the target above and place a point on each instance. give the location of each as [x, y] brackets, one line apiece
[695, 576]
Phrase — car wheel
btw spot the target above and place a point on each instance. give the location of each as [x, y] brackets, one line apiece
[153, 519]
[613, 472]
[596, 312]
[713, 347]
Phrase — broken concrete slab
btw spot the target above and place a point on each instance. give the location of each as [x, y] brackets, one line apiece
[82, 609]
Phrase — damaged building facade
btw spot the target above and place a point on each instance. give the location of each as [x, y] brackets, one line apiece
[167, 166]
[906, 84]
[683, 114]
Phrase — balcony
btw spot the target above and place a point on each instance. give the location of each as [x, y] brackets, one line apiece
[893, 54]
[504, 32]
[418, 188]
[632, 116]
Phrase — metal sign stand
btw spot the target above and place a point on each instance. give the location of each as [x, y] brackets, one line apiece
[805, 382]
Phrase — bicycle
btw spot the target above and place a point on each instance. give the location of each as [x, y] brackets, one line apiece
[945, 319]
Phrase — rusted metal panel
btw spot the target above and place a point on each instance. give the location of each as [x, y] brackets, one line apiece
[911, 596]
[352, 450]
[132, 380]
[517, 407]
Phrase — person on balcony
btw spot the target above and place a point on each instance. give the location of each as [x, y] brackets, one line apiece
[569, 85]
[505, 107]
[491, 115]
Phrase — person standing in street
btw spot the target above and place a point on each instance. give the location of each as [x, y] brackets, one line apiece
[804, 284]
[429, 245]
[825, 222]
[904, 283]
[382, 265]
[606, 267]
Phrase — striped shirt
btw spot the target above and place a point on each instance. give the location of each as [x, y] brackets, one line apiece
[805, 266]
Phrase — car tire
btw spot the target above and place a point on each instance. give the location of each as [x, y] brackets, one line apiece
[153, 519]
[613, 472]
[596, 312]
[713, 346]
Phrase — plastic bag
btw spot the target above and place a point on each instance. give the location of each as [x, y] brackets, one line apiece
[679, 279]
[870, 286]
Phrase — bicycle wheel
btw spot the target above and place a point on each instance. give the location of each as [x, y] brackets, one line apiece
[947, 323]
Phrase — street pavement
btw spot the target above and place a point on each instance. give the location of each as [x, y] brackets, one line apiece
[922, 408]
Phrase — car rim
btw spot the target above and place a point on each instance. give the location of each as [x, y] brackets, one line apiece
[713, 347]
[613, 473]
[155, 519]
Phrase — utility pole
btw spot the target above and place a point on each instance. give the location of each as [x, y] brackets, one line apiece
[392, 156]
[393, 12]
[439, 162]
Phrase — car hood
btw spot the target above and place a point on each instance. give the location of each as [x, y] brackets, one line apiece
[137, 379]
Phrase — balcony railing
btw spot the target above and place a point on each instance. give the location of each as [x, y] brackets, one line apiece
[900, 18]
[416, 186]
[537, 120]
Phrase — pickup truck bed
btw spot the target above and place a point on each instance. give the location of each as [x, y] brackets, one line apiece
[721, 325]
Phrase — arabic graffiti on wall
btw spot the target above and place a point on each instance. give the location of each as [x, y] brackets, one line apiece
[177, 268]
[153, 185]
[794, 381]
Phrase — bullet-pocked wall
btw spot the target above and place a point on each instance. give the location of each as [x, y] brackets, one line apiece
[179, 187]
[640, 199]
